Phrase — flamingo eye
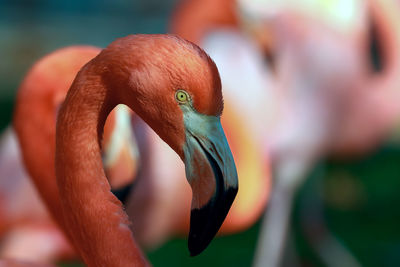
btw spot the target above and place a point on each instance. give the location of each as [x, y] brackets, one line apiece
[181, 96]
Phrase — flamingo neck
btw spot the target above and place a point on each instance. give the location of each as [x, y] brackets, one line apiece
[97, 222]
[38, 149]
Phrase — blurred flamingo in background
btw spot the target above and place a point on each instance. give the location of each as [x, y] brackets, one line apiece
[314, 95]
[191, 96]
[371, 110]
[347, 99]
[38, 99]
[26, 228]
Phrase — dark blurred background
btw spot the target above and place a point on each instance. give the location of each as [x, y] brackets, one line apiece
[358, 199]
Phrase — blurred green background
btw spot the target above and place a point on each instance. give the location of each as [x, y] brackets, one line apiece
[357, 201]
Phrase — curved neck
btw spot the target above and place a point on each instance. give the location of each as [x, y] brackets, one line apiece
[37, 103]
[96, 220]
[36, 138]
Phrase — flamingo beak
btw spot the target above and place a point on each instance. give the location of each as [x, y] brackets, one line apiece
[211, 172]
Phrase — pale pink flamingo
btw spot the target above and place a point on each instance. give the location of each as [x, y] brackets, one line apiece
[360, 107]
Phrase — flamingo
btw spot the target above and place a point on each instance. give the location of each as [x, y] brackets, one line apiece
[31, 97]
[357, 94]
[143, 71]
[161, 199]
[311, 111]
[25, 222]
[372, 108]
[364, 87]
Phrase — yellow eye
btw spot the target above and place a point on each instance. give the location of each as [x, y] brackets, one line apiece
[181, 96]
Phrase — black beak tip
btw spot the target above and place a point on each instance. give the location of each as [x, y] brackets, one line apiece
[206, 221]
[201, 231]
[195, 248]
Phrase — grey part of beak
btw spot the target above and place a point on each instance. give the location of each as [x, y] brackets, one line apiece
[206, 148]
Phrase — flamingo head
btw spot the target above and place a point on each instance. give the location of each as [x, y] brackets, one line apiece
[176, 90]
